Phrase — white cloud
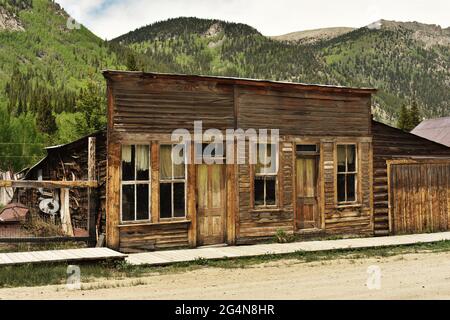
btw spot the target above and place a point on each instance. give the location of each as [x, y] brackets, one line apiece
[111, 18]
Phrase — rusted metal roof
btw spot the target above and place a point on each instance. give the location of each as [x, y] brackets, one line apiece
[437, 130]
[13, 212]
[109, 74]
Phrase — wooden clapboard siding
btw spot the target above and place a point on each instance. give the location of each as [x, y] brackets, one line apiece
[391, 143]
[255, 223]
[304, 113]
[353, 219]
[144, 105]
[153, 237]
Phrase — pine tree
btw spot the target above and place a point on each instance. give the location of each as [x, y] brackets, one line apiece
[404, 119]
[131, 62]
[45, 119]
[414, 116]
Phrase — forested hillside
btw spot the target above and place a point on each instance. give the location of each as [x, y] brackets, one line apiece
[403, 60]
[49, 71]
[52, 90]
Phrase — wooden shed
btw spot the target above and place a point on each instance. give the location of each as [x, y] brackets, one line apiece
[411, 182]
[69, 162]
[322, 184]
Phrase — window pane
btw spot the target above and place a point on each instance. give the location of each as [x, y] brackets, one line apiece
[128, 155]
[351, 158]
[142, 202]
[259, 167]
[351, 187]
[128, 203]
[142, 162]
[341, 158]
[306, 148]
[165, 200]
[178, 201]
[259, 191]
[165, 162]
[341, 187]
[271, 158]
[270, 191]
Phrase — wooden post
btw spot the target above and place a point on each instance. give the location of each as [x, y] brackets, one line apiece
[66, 220]
[92, 192]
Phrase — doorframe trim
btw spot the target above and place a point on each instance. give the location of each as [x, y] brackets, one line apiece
[319, 186]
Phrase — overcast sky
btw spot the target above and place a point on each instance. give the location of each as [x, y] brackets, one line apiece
[111, 18]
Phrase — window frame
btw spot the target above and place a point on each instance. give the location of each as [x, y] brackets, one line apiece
[346, 173]
[135, 183]
[172, 182]
[265, 175]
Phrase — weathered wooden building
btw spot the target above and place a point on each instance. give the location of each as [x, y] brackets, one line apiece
[323, 183]
[411, 182]
[68, 162]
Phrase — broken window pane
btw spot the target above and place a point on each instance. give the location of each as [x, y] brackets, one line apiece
[178, 201]
[270, 191]
[128, 158]
[142, 162]
[259, 191]
[127, 202]
[142, 202]
[165, 200]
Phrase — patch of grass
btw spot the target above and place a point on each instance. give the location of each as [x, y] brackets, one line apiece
[25, 247]
[54, 274]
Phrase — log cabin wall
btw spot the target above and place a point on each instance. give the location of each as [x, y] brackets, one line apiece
[388, 144]
[146, 108]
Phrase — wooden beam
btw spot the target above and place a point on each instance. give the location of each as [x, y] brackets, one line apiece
[92, 194]
[34, 184]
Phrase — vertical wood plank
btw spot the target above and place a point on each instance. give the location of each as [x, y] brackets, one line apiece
[92, 192]
[154, 164]
[112, 181]
[192, 200]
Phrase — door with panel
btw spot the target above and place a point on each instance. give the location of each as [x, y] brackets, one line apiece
[211, 204]
[307, 211]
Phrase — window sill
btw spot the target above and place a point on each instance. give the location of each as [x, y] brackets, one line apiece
[350, 205]
[141, 224]
[267, 209]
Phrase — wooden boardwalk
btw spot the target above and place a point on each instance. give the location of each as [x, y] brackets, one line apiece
[69, 255]
[173, 256]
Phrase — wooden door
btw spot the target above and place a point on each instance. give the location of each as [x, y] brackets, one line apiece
[419, 197]
[307, 211]
[211, 204]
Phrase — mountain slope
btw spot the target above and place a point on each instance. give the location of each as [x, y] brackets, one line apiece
[315, 35]
[44, 67]
[403, 60]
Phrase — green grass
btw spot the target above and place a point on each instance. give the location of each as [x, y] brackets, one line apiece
[54, 274]
[25, 247]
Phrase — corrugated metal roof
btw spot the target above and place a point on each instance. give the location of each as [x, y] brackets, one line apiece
[437, 130]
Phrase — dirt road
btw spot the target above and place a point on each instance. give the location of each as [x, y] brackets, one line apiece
[411, 276]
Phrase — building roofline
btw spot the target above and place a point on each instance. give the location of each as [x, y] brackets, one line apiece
[411, 134]
[116, 74]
